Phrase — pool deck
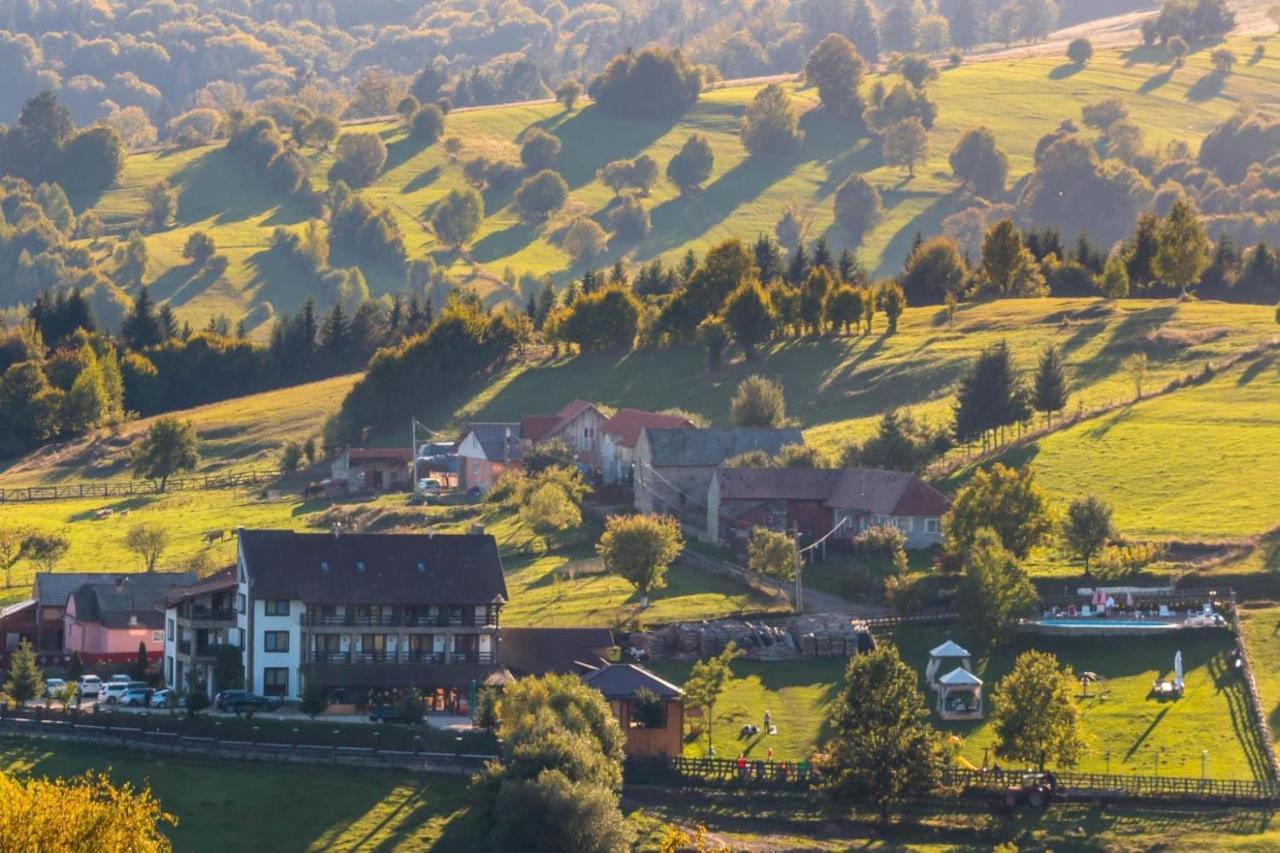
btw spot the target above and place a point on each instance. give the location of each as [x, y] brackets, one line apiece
[1112, 626]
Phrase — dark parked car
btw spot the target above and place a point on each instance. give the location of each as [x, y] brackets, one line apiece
[388, 714]
[239, 701]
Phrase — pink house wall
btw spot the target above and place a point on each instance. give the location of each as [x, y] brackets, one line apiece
[92, 638]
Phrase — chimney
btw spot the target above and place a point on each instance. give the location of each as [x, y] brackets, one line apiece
[337, 529]
[477, 530]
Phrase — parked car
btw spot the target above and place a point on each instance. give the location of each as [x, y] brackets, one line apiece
[239, 701]
[53, 687]
[388, 714]
[89, 686]
[161, 698]
[429, 486]
[115, 690]
[137, 697]
[120, 678]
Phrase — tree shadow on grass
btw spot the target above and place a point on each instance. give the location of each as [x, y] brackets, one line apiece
[402, 150]
[180, 284]
[1207, 87]
[1155, 81]
[222, 186]
[590, 138]
[278, 279]
[677, 221]
[423, 179]
[1065, 70]
[1254, 370]
[500, 244]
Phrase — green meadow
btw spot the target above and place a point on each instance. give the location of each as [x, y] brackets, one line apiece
[1020, 99]
[1127, 729]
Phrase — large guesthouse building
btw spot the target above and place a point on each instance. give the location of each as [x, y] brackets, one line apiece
[368, 616]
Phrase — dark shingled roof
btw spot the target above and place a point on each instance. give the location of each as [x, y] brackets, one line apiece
[493, 436]
[374, 568]
[862, 490]
[711, 447]
[622, 680]
[219, 581]
[401, 675]
[537, 651]
[112, 601]
[52, 589]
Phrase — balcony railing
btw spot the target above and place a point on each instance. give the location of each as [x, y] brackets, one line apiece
[201, 649]
[408, 656]
[219, 614]
[393, 620]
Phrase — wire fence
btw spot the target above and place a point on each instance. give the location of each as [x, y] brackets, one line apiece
[131, 488]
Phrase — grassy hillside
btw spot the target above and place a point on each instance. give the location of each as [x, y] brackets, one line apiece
[241, 433]
[1194, 463]
[1019, 98]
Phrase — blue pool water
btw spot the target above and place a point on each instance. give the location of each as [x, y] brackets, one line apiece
[1109, 624]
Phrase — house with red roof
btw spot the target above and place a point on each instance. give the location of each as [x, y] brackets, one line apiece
[813, 501]
[622, 432]
[577, 424]
[372, 469]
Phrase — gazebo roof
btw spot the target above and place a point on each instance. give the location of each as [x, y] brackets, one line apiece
[949, 649]
[960, 677]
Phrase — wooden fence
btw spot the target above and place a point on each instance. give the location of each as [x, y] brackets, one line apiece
[956, 780]
[1261, 725]
[131, 488]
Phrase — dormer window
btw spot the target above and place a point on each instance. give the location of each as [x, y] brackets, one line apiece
[133, 619]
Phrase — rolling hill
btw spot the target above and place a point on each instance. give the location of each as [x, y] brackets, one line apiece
[1019, 98]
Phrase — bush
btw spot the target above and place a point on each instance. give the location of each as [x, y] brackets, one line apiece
[584, 240]
[539, 150]
[650, 84]
[457, 217]
[630, 220]
[692, 164]
[427, 124]
[758, 402]
[1080, 51]
[857, 206]
[541, 195]
[360, 158]
[769, 128]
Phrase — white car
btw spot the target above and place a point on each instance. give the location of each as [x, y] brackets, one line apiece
[160, 699]
[89, 686]
[53, 687]
[429, 486]
[115, 690]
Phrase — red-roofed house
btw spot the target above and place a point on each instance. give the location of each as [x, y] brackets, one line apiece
[373, 469]
[812, 501]
[622, 431]
[578, 424]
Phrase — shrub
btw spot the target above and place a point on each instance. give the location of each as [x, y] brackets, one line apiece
[769, 128]
[427, 123]
[584, 240]
[857, 206]
[539, 150]
[541, 195]
[360, 158]
[1080, 51]
[630, 220]
[650, 84]
[692, 164]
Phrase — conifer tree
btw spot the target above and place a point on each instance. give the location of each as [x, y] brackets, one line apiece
[1050, 384]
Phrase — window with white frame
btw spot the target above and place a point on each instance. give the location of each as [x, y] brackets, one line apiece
[169, 628]
[277, 607]
[275, 641]
[157, 636]
[275, 681]
[931, 525]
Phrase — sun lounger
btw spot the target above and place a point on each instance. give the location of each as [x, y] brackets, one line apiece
[1164, 610]
[1086, 610]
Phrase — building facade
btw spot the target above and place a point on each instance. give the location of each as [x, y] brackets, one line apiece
[107, 620]
[485, 450]
[199, 620]
[369, 616]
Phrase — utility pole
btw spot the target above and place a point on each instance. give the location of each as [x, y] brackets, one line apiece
[795, 547]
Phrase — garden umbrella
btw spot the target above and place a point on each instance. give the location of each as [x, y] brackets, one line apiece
[1177, 669]
[1128, 600]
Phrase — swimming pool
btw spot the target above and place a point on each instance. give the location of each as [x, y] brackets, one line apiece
[1110, 624]
[1081, 626]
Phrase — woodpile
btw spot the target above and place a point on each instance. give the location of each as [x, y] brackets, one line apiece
[821, 635]
[827, 635]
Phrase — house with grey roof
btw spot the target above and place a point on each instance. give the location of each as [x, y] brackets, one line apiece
[108, 618]
[674, 467]
[649, 709]
[485, 450]
[812, 502]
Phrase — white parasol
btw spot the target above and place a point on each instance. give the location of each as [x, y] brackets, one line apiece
[1177, 669]
[1128, 600]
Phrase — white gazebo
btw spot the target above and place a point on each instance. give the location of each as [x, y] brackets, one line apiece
[950, 654]
[960, 695]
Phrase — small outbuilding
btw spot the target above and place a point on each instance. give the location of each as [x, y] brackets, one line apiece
[944, 658]
[960, 695]
[649, 709]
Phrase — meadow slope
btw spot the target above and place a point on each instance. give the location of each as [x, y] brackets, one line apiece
[1019, 98]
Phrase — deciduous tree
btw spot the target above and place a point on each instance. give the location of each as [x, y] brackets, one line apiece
[1184, 249]
[994, 591]
[1005, 500]
[148, 541]
[706, 682]
[457, 217]
[835, 68]
[640, 549]
[758, 402]
[692, 164]
[1036, 716]
[770, 128]
[45, 550]
[170, 446]
[978, 161]
[1087, 528]
[882, 748]
[857, 207]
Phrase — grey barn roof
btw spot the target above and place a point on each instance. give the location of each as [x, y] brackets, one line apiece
[492, 436]
[112, 601]
[622, 680]
[537, 651]
[711, 447]
[374, 568]
[52, 589]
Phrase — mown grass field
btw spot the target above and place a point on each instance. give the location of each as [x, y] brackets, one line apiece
[237, 434]
[1019, 99]
[1122, 722]
[1262, 631]
[1192, 464]
[224, 805]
